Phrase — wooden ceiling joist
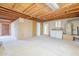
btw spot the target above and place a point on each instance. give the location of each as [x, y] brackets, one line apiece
[29, 7]
[15, 14]
[31, 10]
[67, 12]
[38, 12]
[64, 16]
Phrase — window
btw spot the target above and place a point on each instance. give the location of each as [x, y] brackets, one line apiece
[58, 24]
[38, 29]
[45, 28]
[4, 29]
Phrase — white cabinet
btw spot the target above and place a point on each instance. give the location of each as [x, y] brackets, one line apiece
[56, 34]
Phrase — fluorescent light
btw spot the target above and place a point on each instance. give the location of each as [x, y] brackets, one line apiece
[54, 6]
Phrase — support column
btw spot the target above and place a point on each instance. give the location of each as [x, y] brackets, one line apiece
[34, 28]
[41, 27]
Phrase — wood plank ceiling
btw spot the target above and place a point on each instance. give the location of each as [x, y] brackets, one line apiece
[27, 10]
[65, 11]
[37, 11]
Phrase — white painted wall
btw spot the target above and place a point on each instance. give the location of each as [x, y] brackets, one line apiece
[20, 29]
[24, 28]
[46, 28]
[13, 32]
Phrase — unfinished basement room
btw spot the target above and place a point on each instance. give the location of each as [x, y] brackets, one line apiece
[39, 29]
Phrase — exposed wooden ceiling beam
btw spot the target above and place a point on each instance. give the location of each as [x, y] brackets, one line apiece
[43, 14]
[4, 21]
[42, 11]
[29, 8]
[67, 12]
[15, 13]
[64, 16]
[7, 15]
[40, 8]
[35, 10]
[14, 5]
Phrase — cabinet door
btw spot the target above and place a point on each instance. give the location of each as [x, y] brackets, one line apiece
[56, 34]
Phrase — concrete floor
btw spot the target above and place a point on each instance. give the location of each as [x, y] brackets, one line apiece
[40, 46]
